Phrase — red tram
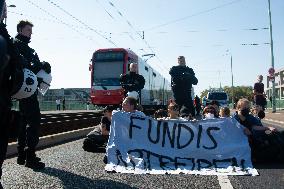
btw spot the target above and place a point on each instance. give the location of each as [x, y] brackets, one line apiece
[106, 68]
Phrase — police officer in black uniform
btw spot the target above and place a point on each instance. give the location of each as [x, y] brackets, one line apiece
[10, 64]
[132, 81]
[29, 107]
[182, 79]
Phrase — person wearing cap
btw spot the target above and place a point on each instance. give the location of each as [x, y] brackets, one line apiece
[96, 140]
[28, 137]
[258, 92]
[132, 82]
[182, 79]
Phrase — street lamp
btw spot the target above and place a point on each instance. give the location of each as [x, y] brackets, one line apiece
[232, 77]
[272, 60]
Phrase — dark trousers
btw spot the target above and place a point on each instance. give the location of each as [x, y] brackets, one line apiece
[260, 100]
[28, 136]
[184, 100]
[4, 125]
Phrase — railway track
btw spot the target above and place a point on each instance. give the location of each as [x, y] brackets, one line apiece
[54, 123]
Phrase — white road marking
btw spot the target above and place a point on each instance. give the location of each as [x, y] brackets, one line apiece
[275, 121]
[224, 182]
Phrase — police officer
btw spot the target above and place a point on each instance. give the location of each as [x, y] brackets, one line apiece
[132, 81]
[10, 64]
[28, 137]
[182, 79]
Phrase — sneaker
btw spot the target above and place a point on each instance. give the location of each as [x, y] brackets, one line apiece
[35, 164]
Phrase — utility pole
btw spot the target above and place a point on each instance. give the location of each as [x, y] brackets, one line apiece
[232, 80]
[272, 60]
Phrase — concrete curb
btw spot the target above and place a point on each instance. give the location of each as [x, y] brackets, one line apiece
[51, 140]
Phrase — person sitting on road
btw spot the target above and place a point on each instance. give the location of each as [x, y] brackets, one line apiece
[130, 105]
[209, 112]
[96, 140]
[224, 112]
[267, 144]
[160, 114]
[257, 111]
[216, 106]
[173, 112]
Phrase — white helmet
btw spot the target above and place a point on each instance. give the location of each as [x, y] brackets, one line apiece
[133, 94]
[28, 86]
[44, 81]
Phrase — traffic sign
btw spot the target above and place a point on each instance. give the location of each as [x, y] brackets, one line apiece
[271, 71]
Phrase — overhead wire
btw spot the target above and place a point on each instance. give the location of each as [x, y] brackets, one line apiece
[192, 15]
[81, 22]
[140, 37]
[62, 22]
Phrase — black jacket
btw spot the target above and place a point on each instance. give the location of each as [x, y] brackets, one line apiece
[29, 54]
[183, 78]
[132, 82]
[8, 74]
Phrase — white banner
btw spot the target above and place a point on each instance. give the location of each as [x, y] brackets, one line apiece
[208, 147]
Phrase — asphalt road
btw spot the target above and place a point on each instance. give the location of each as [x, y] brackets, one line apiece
[68, 167]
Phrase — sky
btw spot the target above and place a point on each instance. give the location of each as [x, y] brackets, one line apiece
[206, 32]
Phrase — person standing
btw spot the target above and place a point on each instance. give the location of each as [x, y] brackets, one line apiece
[182, 79]
[29, 107]
[57, 101]
[10, 64]
[258, 92]
[63, 104]
[132, 81]
[197, 104]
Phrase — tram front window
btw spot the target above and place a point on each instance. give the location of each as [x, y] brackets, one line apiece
[107, 73]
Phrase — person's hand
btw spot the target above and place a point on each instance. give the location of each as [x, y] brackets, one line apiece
[247, 132]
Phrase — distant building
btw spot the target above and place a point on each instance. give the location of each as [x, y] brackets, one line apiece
[279, 85]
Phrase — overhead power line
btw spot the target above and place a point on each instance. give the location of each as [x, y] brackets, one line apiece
[81, 22]
[192, 15]
[62, 22]
[140, 37]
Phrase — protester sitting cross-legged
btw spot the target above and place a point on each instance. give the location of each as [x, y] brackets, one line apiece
[160, 114]
[257, 112]
[130, 105]
[96, 140]
[267, 144]
[173, 112]
[209, 112]
[224, 112]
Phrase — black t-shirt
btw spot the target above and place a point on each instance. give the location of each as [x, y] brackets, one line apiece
[259, 87]
[132, 81]
[106, 122]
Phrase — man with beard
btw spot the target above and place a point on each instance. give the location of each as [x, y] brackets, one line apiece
[29, 107]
